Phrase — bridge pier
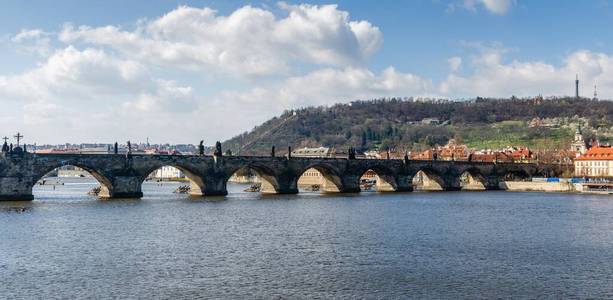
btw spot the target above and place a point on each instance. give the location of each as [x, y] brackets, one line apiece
[287, 184]
[492, 183]
[123, 187]
[214, 185]
[350, 184]
[15, 189]
[404, 183]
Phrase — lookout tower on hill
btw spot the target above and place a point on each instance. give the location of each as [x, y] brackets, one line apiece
[577, 86]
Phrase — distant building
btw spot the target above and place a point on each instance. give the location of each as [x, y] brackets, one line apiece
[58, 151]
[157, 151]
[595, 162]
[520, 154]
[578, 145]
[491, 156]
[311, 152]
[453, 151]
[94, 150]
[168, 172]
[322, 152]
[72, 171]
[430, 121]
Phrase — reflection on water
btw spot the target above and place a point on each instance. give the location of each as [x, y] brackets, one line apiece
[66, 244]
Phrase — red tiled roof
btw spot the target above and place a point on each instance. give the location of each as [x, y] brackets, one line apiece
[597, 153]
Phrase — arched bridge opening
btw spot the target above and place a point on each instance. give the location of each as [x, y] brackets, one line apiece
[472, 180]
[378, 179]
[70, 178]
[320, 178]
[428, 180]
[254, 178]
[171, 179]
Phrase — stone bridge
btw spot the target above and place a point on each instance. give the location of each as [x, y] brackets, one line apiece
[121, 176]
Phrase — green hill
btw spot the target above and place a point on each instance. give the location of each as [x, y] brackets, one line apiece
[401, 124]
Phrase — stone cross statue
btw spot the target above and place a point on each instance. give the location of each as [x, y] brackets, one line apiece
[201, 148]
[218, 149]
[18, 136]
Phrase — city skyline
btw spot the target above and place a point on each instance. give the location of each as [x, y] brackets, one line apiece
[180, 72]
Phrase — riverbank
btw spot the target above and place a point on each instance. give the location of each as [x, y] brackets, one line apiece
[558, 187]
[537, 186]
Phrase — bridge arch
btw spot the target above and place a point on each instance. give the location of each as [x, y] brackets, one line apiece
[427, 179]
[268, 179]
[197, 184]
[384, 179]
[326, 178]
[472, 179]
[105, 181]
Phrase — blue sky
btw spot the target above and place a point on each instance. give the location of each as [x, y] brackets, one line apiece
[116, 70]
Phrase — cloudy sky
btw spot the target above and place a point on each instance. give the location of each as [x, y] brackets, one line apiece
[178, 72]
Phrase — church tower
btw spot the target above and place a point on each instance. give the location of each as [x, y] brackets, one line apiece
[578, 145]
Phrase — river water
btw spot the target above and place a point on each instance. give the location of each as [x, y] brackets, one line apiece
[66, 244]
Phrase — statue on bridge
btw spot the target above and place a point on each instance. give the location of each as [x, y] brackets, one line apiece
[201, 148]
[129, 153]
[272, 151]
[116, 148]
[5, 146]
[289, 152]
[218, 151]
[17, 149]
[351, 153]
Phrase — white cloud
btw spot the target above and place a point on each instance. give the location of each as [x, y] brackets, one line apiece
[455, 63]
[329, 86]
[75, 74]
[321, 87]
[89, 94]
[493, 77]
[499, 7]
[33, 41]
[249, 41]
